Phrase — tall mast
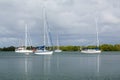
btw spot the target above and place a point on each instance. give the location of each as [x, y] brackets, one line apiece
[57, 42]
[25, 36]
[97, 31]
[44, 25]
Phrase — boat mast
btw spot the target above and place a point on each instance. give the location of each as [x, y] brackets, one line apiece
[25, 36]
[57, 42]
[44, 25]
[97, 31]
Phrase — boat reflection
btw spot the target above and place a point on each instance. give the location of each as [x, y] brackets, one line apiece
[47, 66]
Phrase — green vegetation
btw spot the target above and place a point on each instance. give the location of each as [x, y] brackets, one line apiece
[104, 47]
[70, 48]
[11, 48]
[109, 47]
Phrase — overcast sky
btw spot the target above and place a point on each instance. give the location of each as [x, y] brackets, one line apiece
[72, 20]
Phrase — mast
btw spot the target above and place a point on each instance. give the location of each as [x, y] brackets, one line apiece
[25, 36]
[44, 25]
[97, 36]
[57, 42]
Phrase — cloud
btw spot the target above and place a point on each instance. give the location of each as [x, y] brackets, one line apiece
[110, 18]
[74, 17]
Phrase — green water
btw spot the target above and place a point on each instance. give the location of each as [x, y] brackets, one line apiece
[60, 66]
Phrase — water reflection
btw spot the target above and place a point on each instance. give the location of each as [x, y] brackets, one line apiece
[47, 66]
[89, 65]
[60, 67]
[38, 66]
[58, 64]
[26, 67]
[76, 66]
[98, 63]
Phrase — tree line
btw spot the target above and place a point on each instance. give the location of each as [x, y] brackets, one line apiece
[103, 47]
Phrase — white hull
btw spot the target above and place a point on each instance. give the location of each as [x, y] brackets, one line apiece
[58, 50]
[44, 52]
[24, 51]
[91, 51]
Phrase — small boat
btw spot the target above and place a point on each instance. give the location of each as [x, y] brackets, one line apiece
[41, 50]
[23, 49]
[93, 50]
[58, 49]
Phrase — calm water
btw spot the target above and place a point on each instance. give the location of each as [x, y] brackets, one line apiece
[60, 66]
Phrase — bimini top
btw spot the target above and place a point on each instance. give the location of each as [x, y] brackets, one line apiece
[40, 47]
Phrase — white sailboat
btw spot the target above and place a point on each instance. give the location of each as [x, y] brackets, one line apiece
[43, 50]
[97, 50]
[91, 51]
[58, 48]
[23, 49]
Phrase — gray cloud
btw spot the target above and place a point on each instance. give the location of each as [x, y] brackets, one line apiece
[69, 18]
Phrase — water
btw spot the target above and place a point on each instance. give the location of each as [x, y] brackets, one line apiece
[60, 66]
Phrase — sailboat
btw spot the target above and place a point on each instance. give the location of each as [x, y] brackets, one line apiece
[23, 49]
[58, 49]
[97, 50]
[41, 50]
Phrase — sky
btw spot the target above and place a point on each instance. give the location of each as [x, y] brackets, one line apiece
[74, 21]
